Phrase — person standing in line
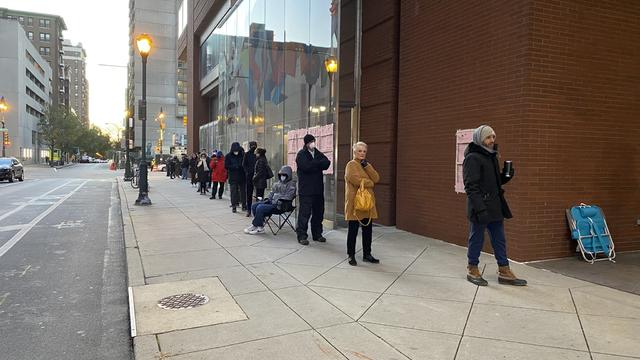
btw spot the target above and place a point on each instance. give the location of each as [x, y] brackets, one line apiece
[184, 166]
[262, 173]
[486, 205]
[176, 167]
[249, 164]
[193, 171]
[235, 171]
[311, 163]
[203, 169]
[359, 171]
[218, 175]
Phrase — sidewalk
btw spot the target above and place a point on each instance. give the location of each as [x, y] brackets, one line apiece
[271, 298]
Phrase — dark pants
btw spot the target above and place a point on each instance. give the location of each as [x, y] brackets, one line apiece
[249, 189]
[238, 195]
[261, 210]
[172, 173]
[259, 193]
[215, 187]
[184, 173]
[353, 234]
[310, 207]
[203, 186]
[498, 242]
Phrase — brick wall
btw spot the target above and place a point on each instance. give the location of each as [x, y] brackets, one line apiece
[559, 84]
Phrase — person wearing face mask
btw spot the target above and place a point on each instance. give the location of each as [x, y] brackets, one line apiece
[236, 176]
[311, 163]
[218, 175]
[280, 199]
[249, 165]
[262, 173]
[359, 171]
[486, 205]
[203, 170]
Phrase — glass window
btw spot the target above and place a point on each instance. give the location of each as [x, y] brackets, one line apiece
[30, 35]
[41, 22]
[274, 83]
[29, 21]
[21, 19]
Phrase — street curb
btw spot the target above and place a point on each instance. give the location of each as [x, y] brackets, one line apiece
[64, 166]
[145, 347]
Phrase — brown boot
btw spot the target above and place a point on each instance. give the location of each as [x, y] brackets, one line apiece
[507, 277]
[474, 276]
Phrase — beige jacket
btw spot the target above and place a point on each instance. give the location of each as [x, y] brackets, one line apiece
[354, 173]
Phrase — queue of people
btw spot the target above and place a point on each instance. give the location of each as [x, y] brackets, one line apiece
[248, 173]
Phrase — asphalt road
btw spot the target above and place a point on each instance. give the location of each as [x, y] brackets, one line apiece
[63, 291]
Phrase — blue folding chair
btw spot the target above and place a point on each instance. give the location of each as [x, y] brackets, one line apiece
[589, 228]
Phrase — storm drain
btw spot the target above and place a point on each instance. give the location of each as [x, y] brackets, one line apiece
[183, 301]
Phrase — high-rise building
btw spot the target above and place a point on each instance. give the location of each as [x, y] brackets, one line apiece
[158, 19]
[76, 80]
[45, 33]
[25, 84]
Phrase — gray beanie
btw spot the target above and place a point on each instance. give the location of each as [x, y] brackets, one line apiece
[481, 133]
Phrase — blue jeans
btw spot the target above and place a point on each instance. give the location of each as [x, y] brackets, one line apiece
[260, 210]
[498, 242]
[184, 173]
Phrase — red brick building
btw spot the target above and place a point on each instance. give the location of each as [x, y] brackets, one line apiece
[559, 81]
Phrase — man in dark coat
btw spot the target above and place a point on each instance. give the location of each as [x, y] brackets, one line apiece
[236, 176]
[486, 205]
[184, 166]
[249, 164]
[311, 163]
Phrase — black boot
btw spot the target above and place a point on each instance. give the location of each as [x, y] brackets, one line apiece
[352, 261]
[370, 258]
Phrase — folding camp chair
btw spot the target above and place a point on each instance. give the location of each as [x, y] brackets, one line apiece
[589, 228]
[283, 217]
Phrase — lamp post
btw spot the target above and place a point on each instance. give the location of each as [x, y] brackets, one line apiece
[160, 119]
[331, 65]
[129, 128]
[3, 108]
[143, 41]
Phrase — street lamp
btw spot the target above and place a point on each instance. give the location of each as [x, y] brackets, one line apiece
[160, 119]
[331, 65]
[128, 118]
[5, 132]
[143, 41]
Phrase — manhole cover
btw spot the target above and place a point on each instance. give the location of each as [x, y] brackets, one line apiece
[182, 301]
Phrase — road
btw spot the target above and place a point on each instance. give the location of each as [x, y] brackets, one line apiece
[63, 288]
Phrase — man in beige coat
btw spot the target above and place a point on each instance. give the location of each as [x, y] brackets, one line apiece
[358, 171]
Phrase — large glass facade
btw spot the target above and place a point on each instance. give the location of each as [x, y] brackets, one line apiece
[268, 57]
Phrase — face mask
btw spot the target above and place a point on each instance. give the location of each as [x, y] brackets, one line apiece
[235, 153]
[283, 178]
[312, 146]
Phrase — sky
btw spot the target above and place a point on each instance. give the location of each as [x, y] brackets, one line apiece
[103, 29]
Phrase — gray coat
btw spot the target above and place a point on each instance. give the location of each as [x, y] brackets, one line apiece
[283, 190]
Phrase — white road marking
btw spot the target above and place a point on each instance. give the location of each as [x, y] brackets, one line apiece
[12, 227]
[14, 240]
[9, 213]
[69, 224]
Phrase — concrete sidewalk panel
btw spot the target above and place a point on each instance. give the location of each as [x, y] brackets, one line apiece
[187, 261]
[602, 301]
[418, 313]
[487, 349]
[353, 279]
[311, 307]
[391, 264]
[303, 273]
[417, 344]
[272, 276]
[151, 319]
[433, 287]
[536, 327]
[307, 345]
[611, 335]
[168, 246]
[235, 240]
[237, 279]
[434, 263]
[535, 276]
[351, 302]
[610, 357]
[145, 347]
[357, 343]
[534, 296]
[316, 255]
[135, 273]
[268, 317]
[248, 255]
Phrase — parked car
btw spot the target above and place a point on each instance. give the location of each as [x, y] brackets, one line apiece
[11, 168]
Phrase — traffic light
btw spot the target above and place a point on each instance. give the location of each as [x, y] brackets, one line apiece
[184, 120]
[5, 138]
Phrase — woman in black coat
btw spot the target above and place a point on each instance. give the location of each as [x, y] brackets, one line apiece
[262, 173]
[193, 162]
[203, 169]
[236, 176]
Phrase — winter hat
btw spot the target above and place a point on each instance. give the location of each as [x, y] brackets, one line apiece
[309, 138]
[261, 151]
[481, 133]
[219, 154]
[253, 144]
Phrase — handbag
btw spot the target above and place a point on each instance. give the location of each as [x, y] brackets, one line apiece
[363, 201]
[269, 172]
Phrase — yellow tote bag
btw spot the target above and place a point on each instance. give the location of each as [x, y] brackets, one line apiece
[363, 201]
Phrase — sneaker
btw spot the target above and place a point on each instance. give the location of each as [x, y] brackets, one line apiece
[250, 229]
[258, 230]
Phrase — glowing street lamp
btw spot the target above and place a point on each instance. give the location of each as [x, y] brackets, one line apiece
[3, 108]
[144, 43]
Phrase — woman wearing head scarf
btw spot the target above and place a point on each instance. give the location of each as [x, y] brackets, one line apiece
[359, 171]
[486, 205]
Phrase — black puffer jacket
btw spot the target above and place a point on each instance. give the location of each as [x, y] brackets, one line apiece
[249, 163]
[261, 173]
[483, 184]
[310, 170]
[233, 164]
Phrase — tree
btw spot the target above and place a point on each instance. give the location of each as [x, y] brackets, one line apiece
[59, 128]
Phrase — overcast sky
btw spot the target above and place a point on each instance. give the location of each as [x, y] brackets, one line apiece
[103, 29]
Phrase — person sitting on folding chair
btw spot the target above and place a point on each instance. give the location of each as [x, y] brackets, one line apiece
[279, 200]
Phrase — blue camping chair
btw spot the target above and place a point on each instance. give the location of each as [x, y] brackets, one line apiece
[589, 228]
